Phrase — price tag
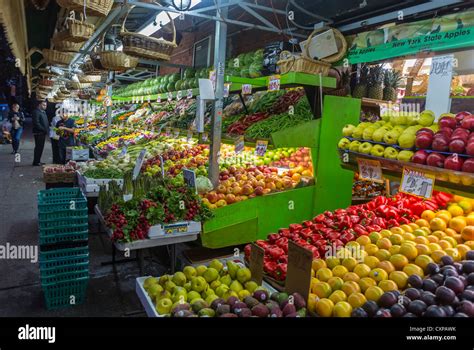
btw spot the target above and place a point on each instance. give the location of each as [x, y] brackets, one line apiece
[226, 89]
[417, 183]
[179, 95]
[176, 133]
[189, 135]
[274, 83]
[189, 94]
[370, 170]
[239, 144]
[256, 263]
[148, 99]
[170, 96]
[261, 147]
[158, 99]
[138, 164]
[246, 89]
[175, 228]
[299, 270]
[205, 136]
[182, 112]
[189, 178]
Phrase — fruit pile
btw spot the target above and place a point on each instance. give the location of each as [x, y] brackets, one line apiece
[219, 291]
[335, 229]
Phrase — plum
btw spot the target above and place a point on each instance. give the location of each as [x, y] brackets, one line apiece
[468, 266]
[429, 285]
[417, 307]
[470, 255]
[387, 300]
[455, 284]
[447, 260]
[359, 312]
[449, 310]
[428, 298]
[397, 310]
[409, 314]
[438, 278]
[460, 314]
[450, 272]
[466, 307]
[432, 268]
[370, 307]
[412, 293]
[434, 311]
[470, 279]
[415, 281]
[383, 313]
[467, 295]
[444, 295]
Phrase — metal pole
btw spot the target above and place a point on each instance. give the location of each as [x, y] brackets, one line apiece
[109, 94]
[219, 65]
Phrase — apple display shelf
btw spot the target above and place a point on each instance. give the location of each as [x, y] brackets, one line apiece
[148, 303]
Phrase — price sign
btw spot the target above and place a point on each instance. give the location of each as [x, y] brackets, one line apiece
[158, 99]
[170, 96]
[189, 94]
[138, 164]
[179, 95]
[176, 133]
[189, 178]
[261, 148]
[274, 83]
[246, 89]
[417, 183]
[239, 144]
[175, 228]
[189, 135]
[226, 89]
[299, 269]
[370, 170]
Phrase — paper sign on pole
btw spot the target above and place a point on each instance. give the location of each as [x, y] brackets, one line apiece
[138, 164]
[439, 85]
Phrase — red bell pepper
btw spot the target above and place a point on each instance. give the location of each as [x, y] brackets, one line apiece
[380, 222]
[328, 214]
[295, 227]
[355, 219]
[281, 271]
[306, 233]
[347, 237]
[392, 213]
[307, 223]
[333, 235]
[317, 227]
[360, 230]
[272, 237]
[283, 259]
[319, 219]
[275, 252]
[247, 249]
[339, 212]
[269, 266]
[392, 223]
[262, 243]
[284, 231]
[404, 221]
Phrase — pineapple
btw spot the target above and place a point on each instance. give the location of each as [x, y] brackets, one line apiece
[392, 82]
[375, 82]
[360, 89]
[343, 86]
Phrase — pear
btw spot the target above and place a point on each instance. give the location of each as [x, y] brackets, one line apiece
[365, 147]
[154, 290]
[348, 129]
[169, 286]
[357, 133]
[192, 295]
[344, 143]
[200, 270]
[149, 282]
[179, 294]
[251, 286]
[230, 293]
[187, 286]
[390, 153]
[189, 272]
[405, 156]
[243, 294]
[216, 264]
[163, 307]
[367, 134]
[208, 291]
[407, 140]
[163, 295]
[215, 284]
[364, 125]
[426, 118]
[211, 274]
[221, 290]
[227, 280]
[236, 286]
[211, 298]
[179, 278]
[198, 284]
[243, 275]
[391, 137]
[163, 279]
[377, 136]
[354, 146]
[232, 268]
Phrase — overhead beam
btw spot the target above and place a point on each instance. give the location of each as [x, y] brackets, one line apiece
[258, 16]
[264, 8]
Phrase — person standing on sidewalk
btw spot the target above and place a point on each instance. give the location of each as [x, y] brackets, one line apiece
[17, 119]
[40, 130]
[55, 139]
[66, 128]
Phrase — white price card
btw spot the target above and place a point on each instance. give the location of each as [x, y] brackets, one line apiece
[158, 99]
[107, 101]
[148, 99]
[417, 183]
[226, 89]
[213, 78]
[239, 144]
[138, 164]
[246, 89]
[179, 95]
[189, 94]
[261, 147]
[274, 83]
[170, 96]
[370, 170]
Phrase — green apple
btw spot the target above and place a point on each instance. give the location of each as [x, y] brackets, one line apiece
[427, 118]
[189, 272]
[411, 130]
[232, 268]
[154, 290]
[390, 153]
[211, 298]
[391, 137]
[412, 119]
[243, 294]
[230, 293]
[344, 143]
[243, 275]
[236, 286]
[364, 125]
[354, 146]
[348, 129]
[377, 150]
[198, 284]
[377, 136]
[149, 282]
[211, 274]
[163, 279]
[192, 295]
[187, 286]
[221, 290]
[367, 134]
[215, 284]
[169, 285]
[179, 278]
[163, 294]
[163, 306]
[378, 124]
[227, 280]
[365, 147]
[400, 128]
[179, 294]
[405, 156]
[200, 270]
[251, 286]
[357, 133]
[208, 291]
[206, 312]
[407, 140]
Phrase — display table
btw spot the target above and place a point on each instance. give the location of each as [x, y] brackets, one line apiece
[157, 241]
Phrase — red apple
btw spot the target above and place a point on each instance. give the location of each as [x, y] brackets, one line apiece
[460, 130]
[461, 137]
[470, 148]
[420, 157]
[461, 115]
[446, 131]
[440, 143]
[447, 122]
[468, 123]
[435, 159]
[424, 140]
[425, 131]
[457, 146]
[453, 162]
[471, 136]
[468, 165]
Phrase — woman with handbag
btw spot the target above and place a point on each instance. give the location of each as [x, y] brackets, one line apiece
[17, 119]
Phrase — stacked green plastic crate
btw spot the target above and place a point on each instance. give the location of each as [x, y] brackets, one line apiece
[64, 250]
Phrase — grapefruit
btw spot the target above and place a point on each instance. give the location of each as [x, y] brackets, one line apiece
[324, 307]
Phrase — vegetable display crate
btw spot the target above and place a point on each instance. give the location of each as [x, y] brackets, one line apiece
[93, 185]
[59, 193]
[77, 154]
[64, 222]
[77, 269]
[63, 257]
[63, 234]
[61, 199]
[65, 294]
[62, 214]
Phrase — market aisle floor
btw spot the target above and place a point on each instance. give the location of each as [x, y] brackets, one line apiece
[110, 293]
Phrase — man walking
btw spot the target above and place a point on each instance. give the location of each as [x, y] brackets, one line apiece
[16, 118]
[40, 130]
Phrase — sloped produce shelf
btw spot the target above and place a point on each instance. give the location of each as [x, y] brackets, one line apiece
[455, 182]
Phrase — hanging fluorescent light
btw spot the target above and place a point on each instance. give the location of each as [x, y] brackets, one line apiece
[182, 5]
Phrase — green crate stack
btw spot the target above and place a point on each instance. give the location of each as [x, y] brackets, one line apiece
[64, 250]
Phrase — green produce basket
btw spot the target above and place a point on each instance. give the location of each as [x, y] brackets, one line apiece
[74, 256]
[59, 193]
[62, 214]
[63, 253]
[65, 294]
[64, 273]
[63, 223]
[57, 235]
[55, 205]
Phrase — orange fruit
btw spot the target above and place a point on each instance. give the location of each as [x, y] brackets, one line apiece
[400, 278]
[437, 255]
[462, 249]
[428, 215]
[408, 236]
[444, 215]
[339, 271]
[444, 244]
[423, 249]
[337, 296]
[470, 220]
[371, 248]
[455, 210]
[468, 233]
[312, 301]
[422, 223]
[394, 249]
[434, 246]
[356, 300]
[388, 285]
[362, 270]
[454, 253]
[353, 245]
[351, 276]
[432, 239]
[363, 240]
[387, 266]
[409, 251]
[399, 261]
[412, 269]
[410, 243]
[322, 289]
[413, 226]
[350, 287]
[423, 260]
[406, 228]
[385, 233]
[349, 263]
[457, 224]
[427, 230]
[365, 283]
[396, 239]
[451, 240]
[378, 274]
[373, 293]
[397, 230]
[371, 261]
[342, 309]
[438, 224]
[439, 234]
[466, 206]
[318, 264]
[384, 243]
[335, 283]
[422, 240]
[323, 274]
[382, 254]
[450, 232]
[374, 236]
[470, 244]
[324, 307]
[332, 262]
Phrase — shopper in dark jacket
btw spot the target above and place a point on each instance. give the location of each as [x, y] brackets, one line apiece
[40, 130]
[17, 119]
[66, 128]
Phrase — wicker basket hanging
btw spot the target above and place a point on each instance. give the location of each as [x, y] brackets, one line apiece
[298, 63]
[99, 8]
[54, 57]
[66, 46]
[148, 47]
[117, 60]
[92, 65]
[75, 30]
[90, 78]
[341, 44]
[76, 86]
